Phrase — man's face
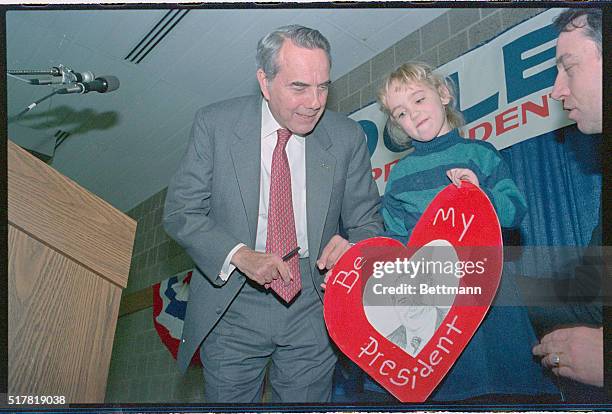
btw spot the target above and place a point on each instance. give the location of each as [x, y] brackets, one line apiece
[298, 93]
[579, 81]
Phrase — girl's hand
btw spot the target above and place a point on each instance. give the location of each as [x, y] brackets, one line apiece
[456, 175]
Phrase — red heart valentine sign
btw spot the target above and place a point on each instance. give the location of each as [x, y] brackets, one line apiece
[403, 313]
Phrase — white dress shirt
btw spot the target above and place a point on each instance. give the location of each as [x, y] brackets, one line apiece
[296, 153]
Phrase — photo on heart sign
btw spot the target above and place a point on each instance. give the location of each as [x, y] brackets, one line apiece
[398, 306]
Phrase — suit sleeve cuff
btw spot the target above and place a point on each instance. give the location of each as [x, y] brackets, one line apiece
[228, 267]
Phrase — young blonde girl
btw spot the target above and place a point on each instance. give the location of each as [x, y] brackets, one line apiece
[422, 104]
[497, 364]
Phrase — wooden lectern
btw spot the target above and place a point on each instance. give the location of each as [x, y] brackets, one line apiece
[69, 258]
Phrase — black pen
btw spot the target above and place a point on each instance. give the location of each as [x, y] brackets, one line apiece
[291, 254]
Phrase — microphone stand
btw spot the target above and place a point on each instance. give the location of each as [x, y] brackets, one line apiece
[55, 71]
[66, 73]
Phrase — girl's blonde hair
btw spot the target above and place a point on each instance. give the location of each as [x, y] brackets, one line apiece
[420, 72]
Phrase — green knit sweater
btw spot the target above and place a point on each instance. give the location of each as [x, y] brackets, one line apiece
[416, 179]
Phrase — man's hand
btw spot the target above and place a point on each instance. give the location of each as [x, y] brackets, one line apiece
[579, 351]
[260, 267]
[335, 248]
[456, 175]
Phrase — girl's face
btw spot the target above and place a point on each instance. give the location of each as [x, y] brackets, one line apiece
[419, 109]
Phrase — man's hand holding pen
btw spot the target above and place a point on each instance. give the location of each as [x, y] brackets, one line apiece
[261, 267]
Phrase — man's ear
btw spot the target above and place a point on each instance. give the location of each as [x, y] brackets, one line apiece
[263, 83]
[445, 95]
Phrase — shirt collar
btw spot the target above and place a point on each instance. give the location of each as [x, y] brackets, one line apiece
[269, 125]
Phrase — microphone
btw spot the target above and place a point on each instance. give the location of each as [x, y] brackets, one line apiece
[100, 84]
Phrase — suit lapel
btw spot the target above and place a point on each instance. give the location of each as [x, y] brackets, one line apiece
[320, 167]
[246, 156]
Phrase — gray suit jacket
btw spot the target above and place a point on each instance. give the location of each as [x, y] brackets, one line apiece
[213, 200]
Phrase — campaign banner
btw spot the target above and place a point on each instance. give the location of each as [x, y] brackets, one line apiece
[502, 89]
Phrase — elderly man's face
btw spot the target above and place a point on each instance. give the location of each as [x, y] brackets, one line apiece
[579, 81]
[298, 93]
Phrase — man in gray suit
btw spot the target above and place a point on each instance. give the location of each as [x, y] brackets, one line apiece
[217, 209]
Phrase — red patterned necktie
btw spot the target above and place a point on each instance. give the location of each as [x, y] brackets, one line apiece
[281, 238]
